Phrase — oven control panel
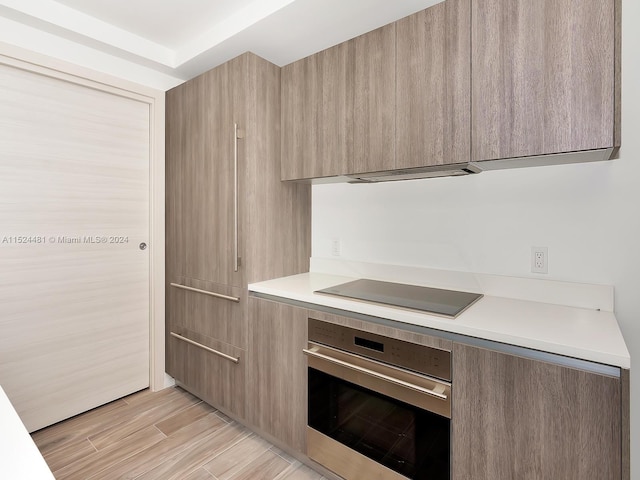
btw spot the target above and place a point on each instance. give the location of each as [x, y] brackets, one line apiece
[429, 361]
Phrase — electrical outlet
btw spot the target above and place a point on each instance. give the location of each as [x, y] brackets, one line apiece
[335, 247]
[539, 260]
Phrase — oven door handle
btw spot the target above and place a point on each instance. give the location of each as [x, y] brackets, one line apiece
[380, 376]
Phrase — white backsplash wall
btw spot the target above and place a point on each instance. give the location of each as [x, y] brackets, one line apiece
[484, 223]
[588, 215]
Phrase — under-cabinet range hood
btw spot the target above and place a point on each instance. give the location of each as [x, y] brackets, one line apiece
[467, 168]
[432, 171]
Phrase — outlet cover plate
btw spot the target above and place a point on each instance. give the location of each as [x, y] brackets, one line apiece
[539, 260]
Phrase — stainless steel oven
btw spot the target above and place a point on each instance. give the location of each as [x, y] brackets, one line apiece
[378, 407]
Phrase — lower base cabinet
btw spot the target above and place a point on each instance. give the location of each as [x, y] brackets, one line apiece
[512, 417]
[201, 369]
[516, 418]
[277, 372]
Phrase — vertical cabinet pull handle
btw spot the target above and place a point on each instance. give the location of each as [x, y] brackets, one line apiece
[235, 197]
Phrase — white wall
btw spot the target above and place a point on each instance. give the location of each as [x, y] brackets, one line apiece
[588, 215]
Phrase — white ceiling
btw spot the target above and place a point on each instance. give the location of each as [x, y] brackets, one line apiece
[184, 38]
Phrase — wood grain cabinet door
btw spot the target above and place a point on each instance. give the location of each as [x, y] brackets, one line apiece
[277, 371]
[184, 128]
[217, 379]
[210, 309]
[433, 86]
[317, 114]
[515, 418]
[200, 172]
[374, 127]
[544, 77]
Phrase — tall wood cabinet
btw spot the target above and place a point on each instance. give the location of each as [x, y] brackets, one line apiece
[514, 417]
[546, 77]
[230, 221]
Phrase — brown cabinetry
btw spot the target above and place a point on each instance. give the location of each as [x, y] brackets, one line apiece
[463, 80]
[400, 99]
[200, 156]
[545, 77]
[514, 417]
[317, 114]
[525, 416]
[433, 86]
[210, 369]
[198, 303]
[277, 371]
[230, 221]
[374, 128]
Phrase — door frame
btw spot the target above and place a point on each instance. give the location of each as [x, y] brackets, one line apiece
[30, 61]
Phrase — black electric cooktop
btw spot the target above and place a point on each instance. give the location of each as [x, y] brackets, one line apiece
[448, 303]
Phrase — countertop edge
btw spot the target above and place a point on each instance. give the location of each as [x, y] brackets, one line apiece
[619, 359]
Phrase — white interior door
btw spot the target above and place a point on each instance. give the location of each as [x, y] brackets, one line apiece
[74, 284]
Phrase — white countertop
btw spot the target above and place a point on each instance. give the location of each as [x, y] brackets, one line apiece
[20, 459]
[583, 333]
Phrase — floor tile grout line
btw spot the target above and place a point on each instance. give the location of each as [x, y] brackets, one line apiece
[177, 413]
[146, 411]
[293, 468]
[93, 474]
[222, 417]
[209, 472]
[91, 443]
[244, 437]
[179, 451]
[163, 434]
[257, 456]
[247, 435]
[92, 434]
[202, 465]
[64, 444]
[285, 459]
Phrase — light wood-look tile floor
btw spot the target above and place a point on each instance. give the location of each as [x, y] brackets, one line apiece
[162, 436]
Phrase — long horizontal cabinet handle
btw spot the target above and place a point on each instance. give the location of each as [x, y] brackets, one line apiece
[204, 347]
[371, 373]
[206, 292]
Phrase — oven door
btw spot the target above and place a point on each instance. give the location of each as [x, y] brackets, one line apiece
[370, 420]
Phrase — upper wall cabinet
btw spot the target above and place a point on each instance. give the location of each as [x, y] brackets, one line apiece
[317, 114]
[433, 86]
[397, 97]
[464, 80]
[375, 104]
[545, 77]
